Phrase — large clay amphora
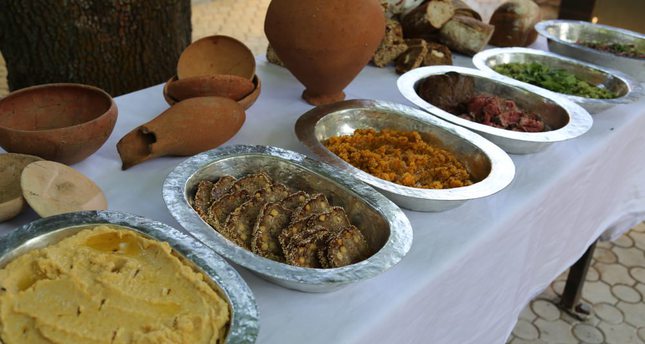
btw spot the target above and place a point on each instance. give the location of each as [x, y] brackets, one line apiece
[325, 43]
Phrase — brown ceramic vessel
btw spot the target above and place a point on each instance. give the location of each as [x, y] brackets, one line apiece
[187, 128]
[246, 102]
[221, 85]
[59, 122]
[325, 43]
[215, 55]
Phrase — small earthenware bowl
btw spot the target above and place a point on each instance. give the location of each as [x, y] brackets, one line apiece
[215, 55]
[246, 101]
[59, 122]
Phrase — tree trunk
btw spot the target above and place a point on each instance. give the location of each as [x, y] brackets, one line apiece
[117, 45]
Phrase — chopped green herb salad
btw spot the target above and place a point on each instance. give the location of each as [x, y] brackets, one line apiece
[556, 80]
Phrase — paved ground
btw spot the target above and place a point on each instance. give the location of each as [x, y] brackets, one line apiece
[616, 281]
[615, 287]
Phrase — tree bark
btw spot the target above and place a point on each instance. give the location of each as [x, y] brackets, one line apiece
[117, 45]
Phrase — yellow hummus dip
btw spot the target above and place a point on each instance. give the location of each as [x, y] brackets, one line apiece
[107, 285]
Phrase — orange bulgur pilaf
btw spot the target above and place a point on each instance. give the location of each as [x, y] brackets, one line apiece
[400, 157]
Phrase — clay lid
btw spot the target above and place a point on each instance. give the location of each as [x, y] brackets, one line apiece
[51, 188]
[216, 55]
[11, 166]
[220, 85]
[246, 101]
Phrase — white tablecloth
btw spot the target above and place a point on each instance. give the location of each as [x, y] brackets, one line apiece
[470, 270]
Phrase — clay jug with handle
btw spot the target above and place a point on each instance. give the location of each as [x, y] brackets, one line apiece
[325, 43]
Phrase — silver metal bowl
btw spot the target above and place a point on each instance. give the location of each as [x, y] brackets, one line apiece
[628, 90]
[223, 278]
[566, 119]
[386, 228]
[563, 35]
[491, 168]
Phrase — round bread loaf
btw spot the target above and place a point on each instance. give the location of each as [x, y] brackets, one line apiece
[514, 23]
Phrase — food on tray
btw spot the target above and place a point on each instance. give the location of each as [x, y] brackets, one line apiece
[108, 285]
[455, 93]
[275, 222]
[501, 113]
[620, 49]
[343, 245]
[241, 222]
[447, 91]
[401, 157]
[557, 80]
[514, 23]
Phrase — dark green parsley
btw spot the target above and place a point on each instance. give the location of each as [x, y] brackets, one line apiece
[556, 80]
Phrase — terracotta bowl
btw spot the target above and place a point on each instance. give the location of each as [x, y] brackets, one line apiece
[59, 122]
[246, 102]
[215, 55]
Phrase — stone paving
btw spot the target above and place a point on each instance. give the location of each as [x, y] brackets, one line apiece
[615, 288]
[615, 283]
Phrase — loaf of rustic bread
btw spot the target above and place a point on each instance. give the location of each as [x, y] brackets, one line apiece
[427, 18]
[392, 46]
[413, 57]
[438, 54]
[462, 9]
[465, 34]
[514, 23]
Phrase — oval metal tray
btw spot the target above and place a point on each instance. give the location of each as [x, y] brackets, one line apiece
[628, 89]
[491, 167]
[385, 227]
[567, 119]
[223, 278]
[563, 35]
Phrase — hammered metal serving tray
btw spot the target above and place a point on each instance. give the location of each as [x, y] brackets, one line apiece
[566, 119]
[386, 228]
[563, 35]
[628, 90]
[223, 278]
[490, 166]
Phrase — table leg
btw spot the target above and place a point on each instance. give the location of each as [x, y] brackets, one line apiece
[570, 301]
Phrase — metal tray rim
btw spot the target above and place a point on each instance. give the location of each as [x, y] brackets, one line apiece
[244, 326]
[501, 175]
[398, 244]
[635, 91]
[541, 28]
[580, 121]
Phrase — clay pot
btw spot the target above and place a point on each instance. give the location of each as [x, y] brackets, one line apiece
[221, 85]
[246, 102]
[187, 128]
[250, 99]
[11, 166]
[216, 55]
[60, 122]
[325, 43]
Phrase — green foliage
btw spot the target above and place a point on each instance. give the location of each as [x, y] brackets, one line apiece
[556, 80]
